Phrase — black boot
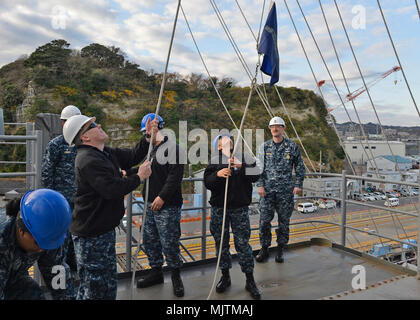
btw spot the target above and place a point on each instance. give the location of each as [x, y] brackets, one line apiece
[154, 276]
[224, 282]
[262, 255]
[177, 284]
[251, 286]
[279, 256]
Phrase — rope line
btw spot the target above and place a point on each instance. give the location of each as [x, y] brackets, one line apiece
[226, 192]
[396, 54]
[348, 89]
[320, 92]
[371, 101]
[271, 113]
[151, 144]
[213, 84]
[368, 93]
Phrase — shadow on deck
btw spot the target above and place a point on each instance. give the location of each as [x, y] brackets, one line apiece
[315, 269]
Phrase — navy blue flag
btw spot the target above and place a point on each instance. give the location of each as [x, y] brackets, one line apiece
[268, 47]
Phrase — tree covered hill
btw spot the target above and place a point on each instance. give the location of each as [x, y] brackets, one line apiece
[103, 83]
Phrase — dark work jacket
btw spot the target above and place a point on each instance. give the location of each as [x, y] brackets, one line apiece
[99, 199]
[240, 182]
[167, 172]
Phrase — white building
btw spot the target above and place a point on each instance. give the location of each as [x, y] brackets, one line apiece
[356, 149]
[390, 175]
[322, 187]
[410, 176]
[389, 163]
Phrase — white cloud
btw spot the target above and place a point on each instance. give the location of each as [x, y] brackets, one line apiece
[142, 29]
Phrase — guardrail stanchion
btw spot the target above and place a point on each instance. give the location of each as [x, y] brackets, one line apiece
[29, 156]
[129, 232]
[418, 228]
[204, 221]
[343, 208]
[38, 158]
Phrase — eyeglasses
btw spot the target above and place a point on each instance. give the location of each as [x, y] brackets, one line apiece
[91, 126]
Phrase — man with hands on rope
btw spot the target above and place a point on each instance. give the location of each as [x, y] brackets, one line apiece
[99, 202]
[162, 226]
[241, 176]
[276, 187]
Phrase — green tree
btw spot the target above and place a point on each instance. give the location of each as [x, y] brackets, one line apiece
[53, 55]
[107, 57]
[10, 98]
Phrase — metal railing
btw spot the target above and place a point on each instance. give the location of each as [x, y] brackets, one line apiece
[33, 140]
[343, 225]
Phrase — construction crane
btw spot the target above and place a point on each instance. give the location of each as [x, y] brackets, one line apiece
[353, 95]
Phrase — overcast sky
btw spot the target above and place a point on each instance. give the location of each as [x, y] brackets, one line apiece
[142, 29]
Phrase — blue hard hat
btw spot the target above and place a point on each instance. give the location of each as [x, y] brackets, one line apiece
[47, 215]
[152, 117]
[216, 140]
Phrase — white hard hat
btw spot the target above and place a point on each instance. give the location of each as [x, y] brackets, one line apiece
[72, 127]
[69, 111]
[276, 121]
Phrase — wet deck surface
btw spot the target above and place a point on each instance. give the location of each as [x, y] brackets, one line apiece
[311, 271]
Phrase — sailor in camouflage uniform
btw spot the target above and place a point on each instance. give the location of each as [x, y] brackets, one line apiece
[162, 229]
[242, 174]
[22, 243]
[57, 173]
[276, 187]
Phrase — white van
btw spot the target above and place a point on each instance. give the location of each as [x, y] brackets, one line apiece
[307, 207]
[392, 202]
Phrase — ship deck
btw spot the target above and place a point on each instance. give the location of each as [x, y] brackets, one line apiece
[315, 269]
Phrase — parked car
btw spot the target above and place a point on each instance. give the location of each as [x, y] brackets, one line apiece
[380, 195]
[392, 202]
[404, 193]
[327, 204]
[375, 196]
[396, 193]
[368, 197]
[307, 207]
[414, 192]
[392, 195]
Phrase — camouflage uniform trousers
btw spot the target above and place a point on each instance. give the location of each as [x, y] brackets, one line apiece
[238, 219]
[281, 202]
[69, 254]
[96, 267]
[161, 234]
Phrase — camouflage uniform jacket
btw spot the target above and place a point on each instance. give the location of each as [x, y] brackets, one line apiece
[14, 262]
[58, 168]
[278, 161]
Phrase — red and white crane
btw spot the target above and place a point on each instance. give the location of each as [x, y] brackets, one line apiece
[353, 95]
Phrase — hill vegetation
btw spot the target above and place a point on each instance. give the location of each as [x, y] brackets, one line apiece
[103, 83]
